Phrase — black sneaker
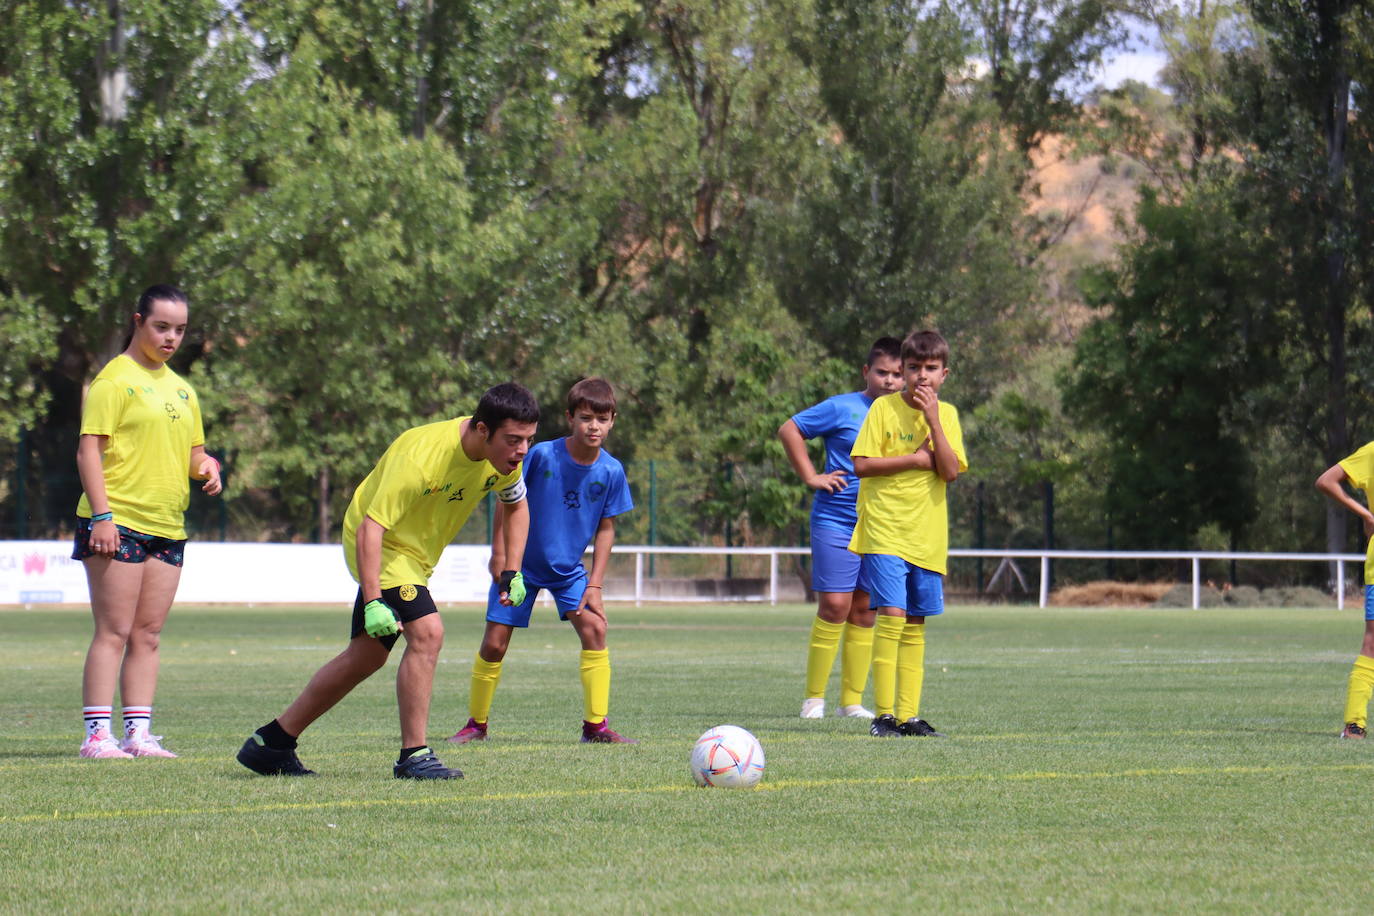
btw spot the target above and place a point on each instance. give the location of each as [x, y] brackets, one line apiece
[267, 761]
[885, 726]
[424, 765]
[918, 728]
[1352, 731]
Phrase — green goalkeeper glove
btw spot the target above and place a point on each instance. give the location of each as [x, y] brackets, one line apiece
[512, 585]
[379, 619]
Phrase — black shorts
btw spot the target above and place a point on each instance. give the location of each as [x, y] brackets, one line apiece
[410, 602]
[134, 546]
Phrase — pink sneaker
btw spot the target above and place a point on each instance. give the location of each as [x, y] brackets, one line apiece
[101, 745]
[473, 731]
[142, 744]
[600, 733]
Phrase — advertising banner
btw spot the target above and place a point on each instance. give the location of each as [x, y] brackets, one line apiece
[42, 572]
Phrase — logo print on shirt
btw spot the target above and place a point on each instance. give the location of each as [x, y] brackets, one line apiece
[181, 393]
[489, 483]
[571, 500]
[458, 496]
[595, 489]
[171, 411]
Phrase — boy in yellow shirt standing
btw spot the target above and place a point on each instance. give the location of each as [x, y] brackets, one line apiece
[908, 450]
[1358, 471]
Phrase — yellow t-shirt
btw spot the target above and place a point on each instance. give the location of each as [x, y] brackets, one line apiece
[1359, 467]
[153, 421]
[904, 514]
[422, 491]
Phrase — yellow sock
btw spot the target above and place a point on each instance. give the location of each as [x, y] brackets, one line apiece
[596, 684]
[911, 670]
[485, 676]
[820, 657]
[856, 654]
[887, 636]
[1358, 692]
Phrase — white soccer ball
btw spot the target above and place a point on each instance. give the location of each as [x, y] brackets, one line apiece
[727, 756]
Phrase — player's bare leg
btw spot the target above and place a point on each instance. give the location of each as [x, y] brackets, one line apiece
[114, 599]
[415, 678]
[114, 602]
[138, 674]
[356, 663]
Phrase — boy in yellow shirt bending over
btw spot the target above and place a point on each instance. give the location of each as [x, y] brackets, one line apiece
[908, 450]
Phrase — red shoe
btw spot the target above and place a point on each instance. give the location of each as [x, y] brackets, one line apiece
[601, 733]
[1352, 730]
[473, 731]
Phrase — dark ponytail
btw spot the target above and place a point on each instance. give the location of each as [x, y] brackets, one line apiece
[162, 292]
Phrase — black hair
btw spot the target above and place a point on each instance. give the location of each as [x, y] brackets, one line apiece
[596, 393]
[925, 345]
[160, 292]
[890, 347]
[507, 401]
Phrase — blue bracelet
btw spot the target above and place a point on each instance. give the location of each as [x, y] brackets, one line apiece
[102, 517]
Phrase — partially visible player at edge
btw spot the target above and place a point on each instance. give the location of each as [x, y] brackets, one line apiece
[575, 491]
[843, 609]
[141, 439]
[404, 513]
[908, 451]
[1358, 471]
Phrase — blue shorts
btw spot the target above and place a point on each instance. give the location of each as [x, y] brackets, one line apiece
[1369, 602]
[567, 595]
[893, 582]
[834, 567]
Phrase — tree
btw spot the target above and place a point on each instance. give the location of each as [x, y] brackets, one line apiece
[1167, 372]
[912, 222]
[116, 129]
[341, 311]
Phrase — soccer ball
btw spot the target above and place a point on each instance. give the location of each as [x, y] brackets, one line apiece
[727, 756]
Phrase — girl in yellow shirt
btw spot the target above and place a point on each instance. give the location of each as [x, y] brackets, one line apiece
[141, 438]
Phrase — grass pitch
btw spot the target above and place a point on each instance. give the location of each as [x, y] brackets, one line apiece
[1098, 760]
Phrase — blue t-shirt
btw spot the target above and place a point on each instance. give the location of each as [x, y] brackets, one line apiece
[836, 420]
[567, 502]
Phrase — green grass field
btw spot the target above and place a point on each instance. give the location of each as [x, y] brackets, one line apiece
[1098, 760]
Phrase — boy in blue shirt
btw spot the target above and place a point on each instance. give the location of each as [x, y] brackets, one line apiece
[843, 599]
[575, 489]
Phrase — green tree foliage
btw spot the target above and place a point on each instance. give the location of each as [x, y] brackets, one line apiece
[912, 223]
[116, 126]
[1167, 372]
[1262, 227]
[338, 312]
[380, 210]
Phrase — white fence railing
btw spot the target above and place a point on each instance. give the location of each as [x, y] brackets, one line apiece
[43, 572]
[1045, 557]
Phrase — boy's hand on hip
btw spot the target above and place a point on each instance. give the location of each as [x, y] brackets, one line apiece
[833, 482]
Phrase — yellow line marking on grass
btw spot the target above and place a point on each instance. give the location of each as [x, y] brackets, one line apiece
[776, 786]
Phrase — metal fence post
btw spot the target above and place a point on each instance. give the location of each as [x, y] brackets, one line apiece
[1197, 583]
[773, 577]
[639, 578]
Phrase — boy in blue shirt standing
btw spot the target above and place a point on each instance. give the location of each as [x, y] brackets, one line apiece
[575, 490]
[843, 598]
